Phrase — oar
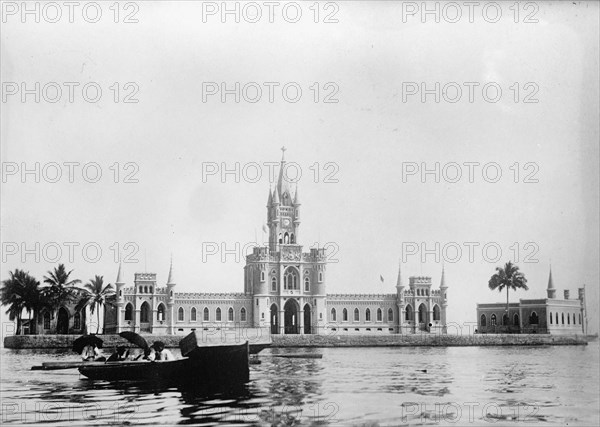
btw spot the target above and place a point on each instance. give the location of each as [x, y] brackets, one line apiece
[299, 356]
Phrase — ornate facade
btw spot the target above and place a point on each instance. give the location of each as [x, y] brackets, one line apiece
[284, 291]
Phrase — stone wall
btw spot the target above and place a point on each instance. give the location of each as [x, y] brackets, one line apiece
[387, 340]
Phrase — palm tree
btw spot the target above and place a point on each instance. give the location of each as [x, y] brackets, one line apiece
[508, 277]
[21, 292]
[61, 290]
[33, 301]
[95, 295]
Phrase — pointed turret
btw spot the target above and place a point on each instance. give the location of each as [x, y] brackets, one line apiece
[399, 283]
[551, 290]
[283, 185]
[171, 279]
[270, 199]
[120, 275]
[275, 197]
[443, 280]
[296, 198]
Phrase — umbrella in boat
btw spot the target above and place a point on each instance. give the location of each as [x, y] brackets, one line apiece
[84, 340]
[135, 339]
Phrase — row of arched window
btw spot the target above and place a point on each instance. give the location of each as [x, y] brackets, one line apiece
[160, 313]
[562, 318]
[422, 292]
[533, 319]
[287, 238]
[422, 313]
[145, 289]
[379, 315]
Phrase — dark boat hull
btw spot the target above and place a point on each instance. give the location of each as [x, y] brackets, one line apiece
[210, 365]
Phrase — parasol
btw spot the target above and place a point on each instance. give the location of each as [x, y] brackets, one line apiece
[135, 339]
[84, 340]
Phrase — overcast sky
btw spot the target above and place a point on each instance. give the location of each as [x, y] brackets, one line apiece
[370, 57]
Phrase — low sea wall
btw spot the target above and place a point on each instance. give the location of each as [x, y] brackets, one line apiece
[391, 340]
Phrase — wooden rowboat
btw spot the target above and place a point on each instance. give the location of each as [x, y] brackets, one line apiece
[201, 365]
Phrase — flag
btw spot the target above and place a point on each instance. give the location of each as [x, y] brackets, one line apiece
[264, 228]
[381, 277]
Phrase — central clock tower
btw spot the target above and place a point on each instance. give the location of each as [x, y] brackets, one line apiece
[283, 211]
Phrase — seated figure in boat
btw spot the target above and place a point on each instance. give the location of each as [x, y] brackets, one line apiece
[91, 353]
[147, 354]
[120, 355]
[160, 352]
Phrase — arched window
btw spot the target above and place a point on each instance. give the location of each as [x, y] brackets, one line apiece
[292, 239]
[242, 314]
[129, 312]
[306, 284]
[262, 276]
[483, 320]
[180, 314]
[145, 289]
[368, 315]
[562, 318]
[145, 312]
[379, 315]
[333, 315]
[550, 317]
[218, 314]
[193, 314]
[46, 320]
[273, 284]
[280, 238]
[230, 315]
[408, 315]
[320, 276]
[516, 319]
[436, 312]
[150, 289]
[493, 320]
[290, 278]
[533, 318]
[556, 318]
[568, 319]
[286, 238]
[160, 312]
[206, 314]
[573, 318]
[141, 289]
[345, 315]
[77, 321]
[505, 319]
[390, 315]
[580, 318]
[356, 315]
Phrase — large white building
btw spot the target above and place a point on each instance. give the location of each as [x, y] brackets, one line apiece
[284, 291]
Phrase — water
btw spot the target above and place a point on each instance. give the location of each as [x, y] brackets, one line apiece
[348, 386]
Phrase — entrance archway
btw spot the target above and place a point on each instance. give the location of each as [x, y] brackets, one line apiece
[274, 319]
[307, 320]
[291, 310]
[423, 317]
[62, 324]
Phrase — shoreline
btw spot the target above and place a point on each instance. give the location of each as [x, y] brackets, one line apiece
[17, 342]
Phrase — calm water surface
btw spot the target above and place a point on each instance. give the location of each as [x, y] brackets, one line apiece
[348, 386]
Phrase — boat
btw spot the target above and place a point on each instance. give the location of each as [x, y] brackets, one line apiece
[203, 363]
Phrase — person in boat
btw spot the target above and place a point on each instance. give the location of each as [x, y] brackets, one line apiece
[120, 355]
[148, 354]
[160, 352]
[90, 353]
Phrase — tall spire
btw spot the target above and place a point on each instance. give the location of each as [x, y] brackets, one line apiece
[171, 279]
[443, 280]
[399, 280]
[551, 291]
[283, 184]
[120, 274]
[270, 199]
[296, 198]
[550, 281]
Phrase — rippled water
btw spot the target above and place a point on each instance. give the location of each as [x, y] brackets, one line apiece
[348, 386]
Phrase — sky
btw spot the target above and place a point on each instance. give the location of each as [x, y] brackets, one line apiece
[360, 131]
